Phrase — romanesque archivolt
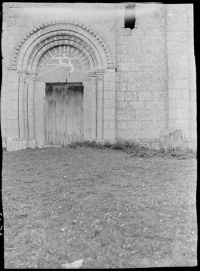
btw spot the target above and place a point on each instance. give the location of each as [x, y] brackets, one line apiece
[46, 36]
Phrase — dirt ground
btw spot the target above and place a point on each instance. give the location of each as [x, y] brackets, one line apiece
[100, 205]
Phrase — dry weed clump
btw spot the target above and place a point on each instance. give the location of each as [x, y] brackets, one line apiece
[159, 147]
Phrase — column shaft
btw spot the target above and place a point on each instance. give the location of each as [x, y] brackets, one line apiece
[94, 107]
[99, 106]
[22, 79]
[30, 101]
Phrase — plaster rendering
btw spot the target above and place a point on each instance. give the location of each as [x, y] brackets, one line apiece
[137, 82]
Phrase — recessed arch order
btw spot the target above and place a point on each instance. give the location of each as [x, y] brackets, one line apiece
[42, 38]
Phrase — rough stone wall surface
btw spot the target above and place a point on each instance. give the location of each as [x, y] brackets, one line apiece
[191, 76]
[181, 69]
[141, 75]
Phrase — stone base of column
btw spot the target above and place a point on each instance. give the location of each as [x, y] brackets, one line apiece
[31, 143]
[16, 144]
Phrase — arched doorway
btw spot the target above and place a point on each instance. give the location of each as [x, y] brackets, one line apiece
[55, 52]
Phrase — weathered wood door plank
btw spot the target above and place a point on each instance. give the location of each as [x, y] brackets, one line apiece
[64, 114]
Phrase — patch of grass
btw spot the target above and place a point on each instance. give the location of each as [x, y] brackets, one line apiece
[137, 149]
[100, 205]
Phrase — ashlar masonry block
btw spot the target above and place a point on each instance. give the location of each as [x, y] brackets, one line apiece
[181, 84]
[161, 105]
[193, 115]
[126, 114]
[185, 93]
[109, 135]
[121, 124]
[175, 114]
[149, 104]
[121, 133]
[124, 86]
[12, 77]
[134, 125]
[137, 105]
[107, 77]
[131, 96]
[143, 114]
[120, 96]
[131, 86]
[141, 96]
[185, 114]
[112, 124]
[106, 103]
[112, 77]
[15, 144]
[161, 124]
[146, 124]
[159, 116]
[193, 96]
[109, 113]
[175, 94]
[183, 104]
[14, 104]
[106, 86]
[12, 114]
[121, 104]
[106, 124]
[8, 104]
[12, 128]
[31, 143]
[112, 103]
[179, 124]
[109, 95]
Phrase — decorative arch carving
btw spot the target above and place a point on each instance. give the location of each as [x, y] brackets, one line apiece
[37, 40]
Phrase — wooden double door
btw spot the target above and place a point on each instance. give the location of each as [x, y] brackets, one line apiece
[63, 113]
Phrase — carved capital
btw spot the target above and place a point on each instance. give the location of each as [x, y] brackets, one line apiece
[100, 77]
[32, 77]
[11, 68]
[111, 66]
[93, 77]
[22, 77]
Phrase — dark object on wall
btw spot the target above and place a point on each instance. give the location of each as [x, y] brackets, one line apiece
[129, 16]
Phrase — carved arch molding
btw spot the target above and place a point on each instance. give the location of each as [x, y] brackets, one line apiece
[41, 38]
[34, 46]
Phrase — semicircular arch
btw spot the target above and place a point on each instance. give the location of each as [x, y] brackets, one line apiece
[36, 56]
[36, 39]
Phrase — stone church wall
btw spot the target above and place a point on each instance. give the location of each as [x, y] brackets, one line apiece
[151, 87]
[141, 76]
